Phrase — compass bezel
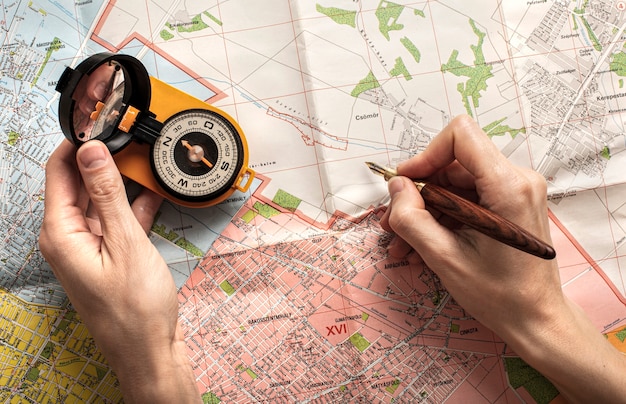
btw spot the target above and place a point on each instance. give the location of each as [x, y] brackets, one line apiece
[137, 93]
[227, 185]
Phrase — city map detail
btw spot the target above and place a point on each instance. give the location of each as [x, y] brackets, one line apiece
[286, 292]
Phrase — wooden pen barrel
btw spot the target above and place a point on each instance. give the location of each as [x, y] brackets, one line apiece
[483, 220]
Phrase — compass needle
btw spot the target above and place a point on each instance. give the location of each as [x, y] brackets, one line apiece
[207, 162]
[198, 156]
[196, 153]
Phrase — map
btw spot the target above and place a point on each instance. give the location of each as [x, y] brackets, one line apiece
[287, 293]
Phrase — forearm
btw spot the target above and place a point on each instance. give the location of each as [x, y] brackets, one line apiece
[573, 354]
[159, 377]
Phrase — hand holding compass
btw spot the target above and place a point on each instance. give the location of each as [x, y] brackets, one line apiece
[166, 140]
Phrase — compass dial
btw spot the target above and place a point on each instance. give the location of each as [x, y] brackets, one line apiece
[198, 155]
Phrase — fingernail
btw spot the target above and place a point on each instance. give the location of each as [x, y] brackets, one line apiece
[395, 185]
[92, 155]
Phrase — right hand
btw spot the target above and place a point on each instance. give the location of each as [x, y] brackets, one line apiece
[513, 293]
[489, 279]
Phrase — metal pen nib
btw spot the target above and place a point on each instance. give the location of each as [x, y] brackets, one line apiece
[380, 170]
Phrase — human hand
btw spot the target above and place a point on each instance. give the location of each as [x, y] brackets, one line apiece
[97, 246]
[513, 293]
[489, 279]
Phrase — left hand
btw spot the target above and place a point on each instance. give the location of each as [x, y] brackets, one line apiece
[97, 245]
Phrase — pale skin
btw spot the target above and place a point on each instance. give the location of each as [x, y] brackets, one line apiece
[97, 245]
[516, 295]
[124, 292]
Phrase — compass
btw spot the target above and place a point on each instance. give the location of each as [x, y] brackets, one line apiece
[182, 148]
[198, 155]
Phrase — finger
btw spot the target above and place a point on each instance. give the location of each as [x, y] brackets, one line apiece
[454, 175]
[462, 140]
[145, 207]
[63, 210]
[397, 247]
[101, 80]
[106, 190]
[61, 179]
[413, 223]
[94, 88]
[63, 199]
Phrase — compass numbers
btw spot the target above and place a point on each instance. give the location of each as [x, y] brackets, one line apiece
[198, 155]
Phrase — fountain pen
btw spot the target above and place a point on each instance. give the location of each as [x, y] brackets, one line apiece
[475, 216]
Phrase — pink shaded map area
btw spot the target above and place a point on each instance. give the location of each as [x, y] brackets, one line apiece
[281, 308]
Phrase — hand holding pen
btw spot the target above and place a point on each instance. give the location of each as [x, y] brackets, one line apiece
[497, 284]
[474, 216]
[515, 294]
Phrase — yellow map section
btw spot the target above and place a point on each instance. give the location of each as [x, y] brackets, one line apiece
[47, 354]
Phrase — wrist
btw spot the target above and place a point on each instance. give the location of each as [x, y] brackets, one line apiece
[535, 335]
[564, 345]
[157, 375]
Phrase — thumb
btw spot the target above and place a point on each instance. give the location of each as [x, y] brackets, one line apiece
[414, 224]
[105, 187]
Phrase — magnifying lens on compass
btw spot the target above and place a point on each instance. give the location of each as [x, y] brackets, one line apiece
[181, 147]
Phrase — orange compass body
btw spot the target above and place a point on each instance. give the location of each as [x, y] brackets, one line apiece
[180, 147]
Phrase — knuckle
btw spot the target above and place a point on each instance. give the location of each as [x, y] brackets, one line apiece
[105, 189]
[464, 125]
[394, 220]
[540, 188]
[401, 219]
[532, 185]
[463, 121]
[538, 180]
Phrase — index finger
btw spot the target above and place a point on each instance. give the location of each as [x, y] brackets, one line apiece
[466, 143]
